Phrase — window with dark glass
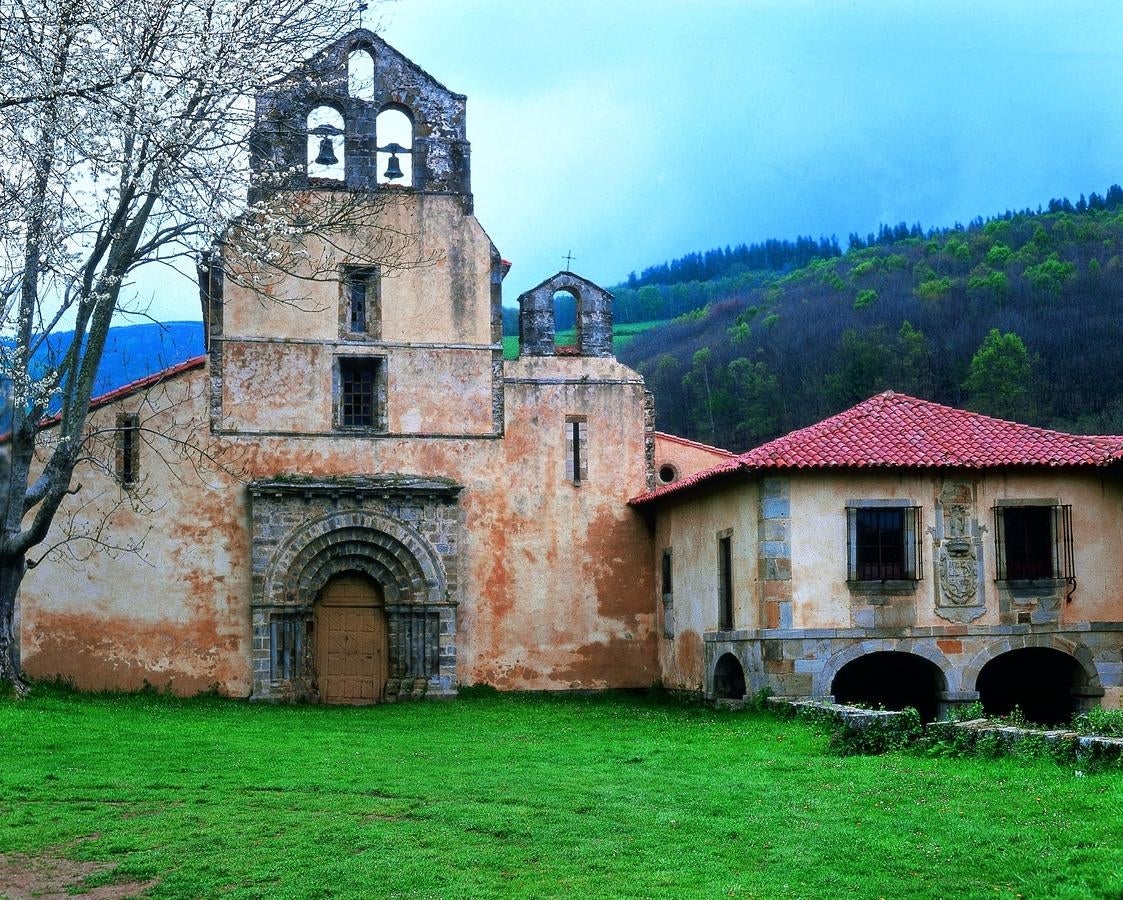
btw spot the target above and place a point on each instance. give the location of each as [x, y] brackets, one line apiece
[883, 543]
[1033, 541]
[725, 582]
[360, 313]
[357, 393]
[128, 448]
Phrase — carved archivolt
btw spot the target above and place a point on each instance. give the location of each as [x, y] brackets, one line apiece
[392, 553]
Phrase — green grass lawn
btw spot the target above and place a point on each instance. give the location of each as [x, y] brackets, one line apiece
[621, 337]
[603, 796]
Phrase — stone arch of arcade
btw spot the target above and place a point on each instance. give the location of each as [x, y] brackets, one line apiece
[824, 678]
[1048, 677]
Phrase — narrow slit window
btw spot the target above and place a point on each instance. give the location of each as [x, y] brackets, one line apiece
[725, 582]
[576, 449]
[128, 448]
[668, 596]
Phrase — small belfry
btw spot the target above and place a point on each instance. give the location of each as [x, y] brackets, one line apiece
[356, 117]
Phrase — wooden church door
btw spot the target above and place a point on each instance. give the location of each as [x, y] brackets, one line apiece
[352, 653]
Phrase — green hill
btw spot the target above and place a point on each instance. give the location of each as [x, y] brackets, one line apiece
[914, 314]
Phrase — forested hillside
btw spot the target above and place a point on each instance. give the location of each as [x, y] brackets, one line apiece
[131, 352]
[1020, 316]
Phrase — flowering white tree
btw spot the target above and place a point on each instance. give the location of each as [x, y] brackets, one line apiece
[123, 141]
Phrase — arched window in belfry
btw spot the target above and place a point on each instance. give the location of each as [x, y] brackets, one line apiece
[360, 75]
[325, 143]
[393, 129]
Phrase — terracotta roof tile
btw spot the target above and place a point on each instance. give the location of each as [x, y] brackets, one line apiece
[894, 430]
[196, 362]
[686, 442]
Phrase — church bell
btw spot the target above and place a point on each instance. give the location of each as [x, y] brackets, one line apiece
[393, 168]
[393, 165]
[327, 153]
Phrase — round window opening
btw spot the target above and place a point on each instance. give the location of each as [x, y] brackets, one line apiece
[667, 473]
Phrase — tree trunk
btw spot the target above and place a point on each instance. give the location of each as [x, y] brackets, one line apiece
[11, 574]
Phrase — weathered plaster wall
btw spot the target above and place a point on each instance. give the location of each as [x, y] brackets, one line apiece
[284, 387]
[806, 622]
[685, 456]
[822, 599]
[690, 531]
[276, 344]
[173, 613]
[436, 286]
[553, 585]
[556, 582]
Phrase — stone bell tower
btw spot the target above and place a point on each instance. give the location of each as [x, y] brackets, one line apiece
[357, 116]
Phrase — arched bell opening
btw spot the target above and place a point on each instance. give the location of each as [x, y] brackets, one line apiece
[393, 131]
[729, 678]
[891, 680]
[360, 75]
[326, 133]
[1044, 683]
[567, 318]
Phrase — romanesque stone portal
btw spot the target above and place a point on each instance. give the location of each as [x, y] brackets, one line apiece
[316, 544]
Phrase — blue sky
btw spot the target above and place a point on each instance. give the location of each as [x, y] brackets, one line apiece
[631, 132]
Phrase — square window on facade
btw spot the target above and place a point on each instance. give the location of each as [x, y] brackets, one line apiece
[1033, 541]
[361, 392]
[883, 543]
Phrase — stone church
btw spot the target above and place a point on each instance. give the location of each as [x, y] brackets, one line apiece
[353, 497]
[407, 511]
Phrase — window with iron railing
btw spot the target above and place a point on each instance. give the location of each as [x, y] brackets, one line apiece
[360, 393]
[883, 542]
[1033, 541]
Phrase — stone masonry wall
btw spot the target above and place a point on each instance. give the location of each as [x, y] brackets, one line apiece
[774, 552]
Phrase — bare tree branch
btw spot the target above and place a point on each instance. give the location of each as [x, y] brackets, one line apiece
[124, 130]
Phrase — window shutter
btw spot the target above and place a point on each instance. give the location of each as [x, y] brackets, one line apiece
[1064, 554]
[999, 543]
[914, 543]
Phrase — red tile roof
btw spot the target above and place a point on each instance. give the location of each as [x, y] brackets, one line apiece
[686, 442]
[897, 431]
[196, 362]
